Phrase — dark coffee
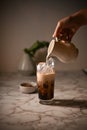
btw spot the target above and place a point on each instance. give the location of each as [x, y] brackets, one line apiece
[45, 82]
[46, 90]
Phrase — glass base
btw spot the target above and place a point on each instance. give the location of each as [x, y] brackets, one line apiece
[46, 102]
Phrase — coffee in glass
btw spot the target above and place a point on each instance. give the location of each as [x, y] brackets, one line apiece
[45, 81]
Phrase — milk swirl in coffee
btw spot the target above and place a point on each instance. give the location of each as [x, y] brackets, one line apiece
[46, 79]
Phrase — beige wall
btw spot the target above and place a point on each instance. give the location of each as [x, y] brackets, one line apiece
[25, 21]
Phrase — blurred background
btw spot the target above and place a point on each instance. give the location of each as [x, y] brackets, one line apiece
[22, 22]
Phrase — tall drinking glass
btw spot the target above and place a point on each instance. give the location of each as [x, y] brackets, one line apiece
[45, 82]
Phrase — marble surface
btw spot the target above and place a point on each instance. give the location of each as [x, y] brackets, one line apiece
[24, 112]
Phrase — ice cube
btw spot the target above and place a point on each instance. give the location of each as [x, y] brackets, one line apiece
[46, 67]
[40, 66]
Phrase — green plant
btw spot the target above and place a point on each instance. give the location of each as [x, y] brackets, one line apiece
[37, 45]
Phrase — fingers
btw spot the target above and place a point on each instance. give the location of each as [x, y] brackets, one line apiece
[63, 32]
[66, 34]
[57, 30]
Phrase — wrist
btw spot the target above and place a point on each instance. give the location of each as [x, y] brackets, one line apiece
[80, 17]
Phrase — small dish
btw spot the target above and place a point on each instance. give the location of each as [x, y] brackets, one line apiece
[29, 87]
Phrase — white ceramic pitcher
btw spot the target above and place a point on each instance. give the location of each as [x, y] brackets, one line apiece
[64, 51]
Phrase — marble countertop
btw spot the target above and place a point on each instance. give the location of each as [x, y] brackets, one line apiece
[24, 112]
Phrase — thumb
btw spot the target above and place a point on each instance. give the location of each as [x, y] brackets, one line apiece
[57, 30]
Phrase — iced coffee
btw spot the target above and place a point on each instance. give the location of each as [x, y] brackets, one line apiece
[45, 81]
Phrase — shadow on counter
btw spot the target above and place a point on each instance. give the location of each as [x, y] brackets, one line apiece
[69, 103]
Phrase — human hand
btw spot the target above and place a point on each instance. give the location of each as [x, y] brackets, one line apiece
[66, 28]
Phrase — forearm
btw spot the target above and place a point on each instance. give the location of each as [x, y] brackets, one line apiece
[80, 17]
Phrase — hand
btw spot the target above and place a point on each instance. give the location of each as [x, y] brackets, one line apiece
[68, 26]
[65, 29]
